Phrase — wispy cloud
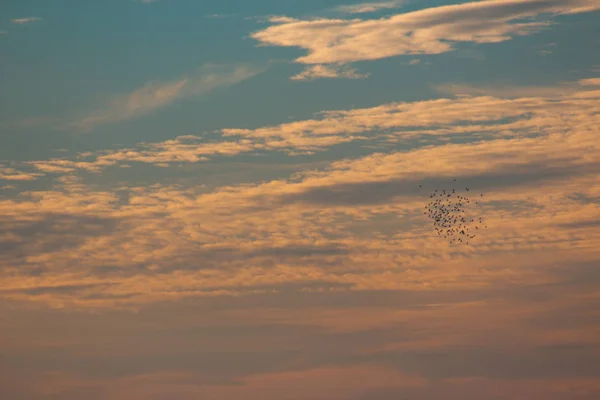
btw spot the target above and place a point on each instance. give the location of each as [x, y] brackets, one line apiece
[155, 95]
[506, 91]
[546, 49]
[427, 31]
[142, 101]
[219, 16]
[28, 20]
[11, 174]
[328, 71]
[590, 82]
[362, 8]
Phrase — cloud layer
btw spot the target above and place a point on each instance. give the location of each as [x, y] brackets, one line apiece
[244, 233]
[327, 281]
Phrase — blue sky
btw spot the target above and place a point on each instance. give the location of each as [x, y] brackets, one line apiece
[238, 181]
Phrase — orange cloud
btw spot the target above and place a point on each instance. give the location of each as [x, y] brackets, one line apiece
[356, 225]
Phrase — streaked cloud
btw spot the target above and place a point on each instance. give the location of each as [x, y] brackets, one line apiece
[546, 49]
[323, 71]
[506, 91]
[427, 31]
[155, 95]
[28, 20]
[219, 16]
[362, 8]
[590, 82]
[12, 174]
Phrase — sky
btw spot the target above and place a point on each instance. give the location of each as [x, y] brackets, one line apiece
[226, 200]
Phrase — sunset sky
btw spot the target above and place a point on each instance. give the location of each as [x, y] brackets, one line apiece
[219, 199]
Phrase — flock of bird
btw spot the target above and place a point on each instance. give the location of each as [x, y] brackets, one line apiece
[450, 219]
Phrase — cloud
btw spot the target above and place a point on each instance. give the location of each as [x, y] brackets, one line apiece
[505, 91]
[362, 8]
[428, 31]
[241, 349]
[514, 91]
[351, 225]
[590, 82]
[155, 95]
[11, 174]
[323, 71]
[546, 49]
[219, 16]
[21, 21]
